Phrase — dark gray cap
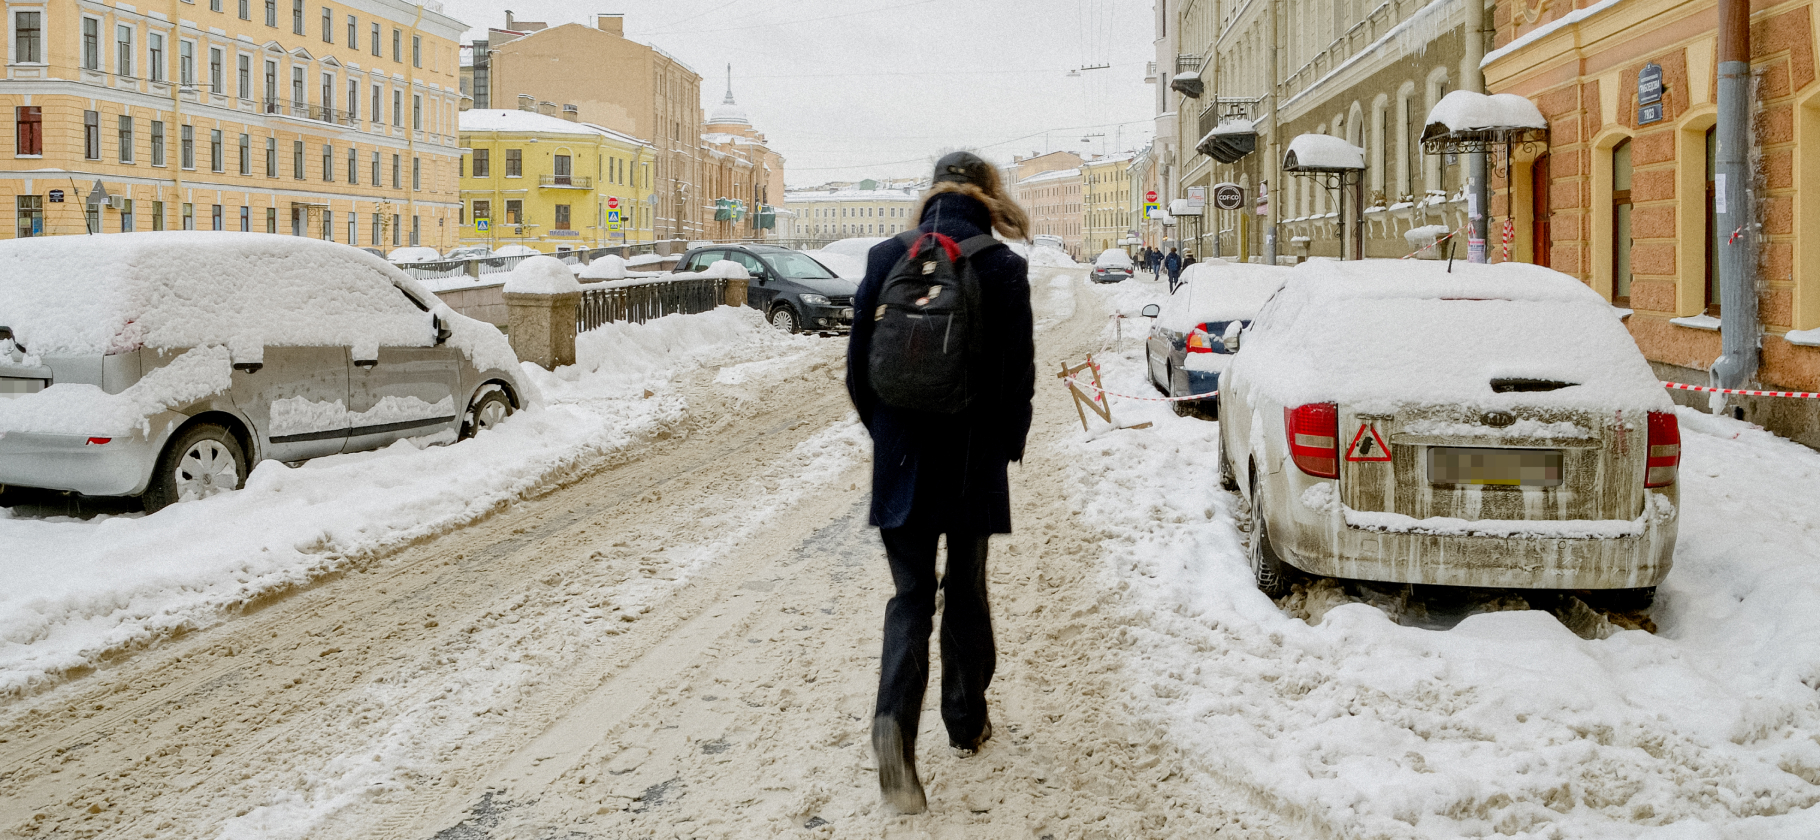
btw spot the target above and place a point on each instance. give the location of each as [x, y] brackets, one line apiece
[961, 167]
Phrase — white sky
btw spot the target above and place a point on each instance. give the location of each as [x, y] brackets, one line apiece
[847, 89]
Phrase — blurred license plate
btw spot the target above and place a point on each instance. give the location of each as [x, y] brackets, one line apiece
[19, 387]
[1503, 467]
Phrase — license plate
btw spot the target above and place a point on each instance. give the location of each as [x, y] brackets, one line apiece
[19, 387]
[1454, 465]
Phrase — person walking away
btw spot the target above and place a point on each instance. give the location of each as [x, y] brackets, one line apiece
[1173, 265]
[1187, 260]
[939, 463]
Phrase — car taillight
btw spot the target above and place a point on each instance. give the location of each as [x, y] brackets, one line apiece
[1199, 341]
[1664, 450]
[99, 441]
[1314, 438]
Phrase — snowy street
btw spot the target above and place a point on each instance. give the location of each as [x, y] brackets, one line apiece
[652, 609]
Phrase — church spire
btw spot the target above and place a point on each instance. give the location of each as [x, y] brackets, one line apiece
[729, 99]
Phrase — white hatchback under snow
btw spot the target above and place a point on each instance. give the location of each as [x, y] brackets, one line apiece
[1495, 426]
[164, 365]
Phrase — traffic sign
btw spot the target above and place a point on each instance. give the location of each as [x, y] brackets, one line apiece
[1150, 197]
[482, 224]
[1368, 448]
[612, 203]
[612, 220]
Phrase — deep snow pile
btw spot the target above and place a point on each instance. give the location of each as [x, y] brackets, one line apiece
[77, 590]
[1042, 256]
[1508, 723]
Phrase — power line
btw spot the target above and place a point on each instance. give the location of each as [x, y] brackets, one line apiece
[982, 146]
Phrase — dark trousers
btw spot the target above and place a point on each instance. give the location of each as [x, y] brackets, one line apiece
[968, 653]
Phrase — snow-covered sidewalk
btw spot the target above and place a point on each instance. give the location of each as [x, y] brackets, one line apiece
[78, 591]
[1508, 723]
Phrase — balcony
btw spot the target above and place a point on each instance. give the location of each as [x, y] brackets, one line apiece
[566, 182]
[306, 111]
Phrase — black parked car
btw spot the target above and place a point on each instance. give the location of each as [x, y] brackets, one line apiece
[793, 290]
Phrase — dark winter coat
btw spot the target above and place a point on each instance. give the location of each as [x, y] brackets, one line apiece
[1173, 264]
[949, 470]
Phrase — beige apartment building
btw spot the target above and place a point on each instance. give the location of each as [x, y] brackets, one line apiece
[1053, 200]
[738, 165]
[1106, 203]
[632, 88]
[327, 119]
[868, 208]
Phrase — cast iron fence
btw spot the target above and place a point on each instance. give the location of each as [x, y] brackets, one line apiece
[640, 302]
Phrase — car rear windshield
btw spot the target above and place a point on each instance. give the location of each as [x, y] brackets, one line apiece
[798, 267]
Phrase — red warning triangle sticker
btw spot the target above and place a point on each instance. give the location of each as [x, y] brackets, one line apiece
[1368, 448]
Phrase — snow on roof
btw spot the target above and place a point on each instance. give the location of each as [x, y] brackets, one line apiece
[1053, 175]
[541, 276]
[1546, 30]
[1380, 334]
[1217, 290]
[1465, 110]
[531, 122]
[806, 196]
[1321, 151]
[1232, 126]
[1113, 257]
[1413, 34]
[1182, 77]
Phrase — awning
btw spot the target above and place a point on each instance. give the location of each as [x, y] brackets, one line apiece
[1229, 141]
[1464, 121]
[1321, 153]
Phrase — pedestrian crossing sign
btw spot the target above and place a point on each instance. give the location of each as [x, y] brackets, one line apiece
[1150, 210]
[482, 224]
[612, 220]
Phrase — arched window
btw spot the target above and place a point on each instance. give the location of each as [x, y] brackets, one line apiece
[1539, 210]
[1620, 223]
[1710, 242]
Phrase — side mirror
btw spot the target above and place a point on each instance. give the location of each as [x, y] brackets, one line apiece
[1231, 336]
[1150, 311]
[442, 329]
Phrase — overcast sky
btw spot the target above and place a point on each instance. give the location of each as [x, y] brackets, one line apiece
[847, 89]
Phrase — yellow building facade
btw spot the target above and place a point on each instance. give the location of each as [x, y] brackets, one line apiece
[552, 183]
[328, 119]
[1106, 203]
[861, 210]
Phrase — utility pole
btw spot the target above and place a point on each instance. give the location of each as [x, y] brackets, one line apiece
[1478, 174]
[1274, 167]
[1738, 328]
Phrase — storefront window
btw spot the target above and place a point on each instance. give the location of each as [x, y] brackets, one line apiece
[1620, 224]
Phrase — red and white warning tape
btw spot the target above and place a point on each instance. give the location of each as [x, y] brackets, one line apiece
[1797, 394]
[1435, 244]
[1091, 387]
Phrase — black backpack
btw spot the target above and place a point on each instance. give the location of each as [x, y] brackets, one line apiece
[928, 334]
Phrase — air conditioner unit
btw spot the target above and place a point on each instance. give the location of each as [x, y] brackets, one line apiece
[116, 202]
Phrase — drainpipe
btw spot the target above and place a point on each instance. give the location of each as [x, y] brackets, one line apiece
[1274, 167]
[1739, 330]
[1478, 174]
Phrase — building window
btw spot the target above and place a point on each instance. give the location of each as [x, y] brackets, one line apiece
[157, 215]
[157, 145]
[189, 216]
[246, 9]
[215, 217]
[215, 71]
[186, 63]
[376, 228]
[353, 166]
[416, 173]
[395, 228]
[91, 44]
[123, 50]
[375, 169]
[378, 99]
[91, 135]
[482, 164]
[328, 25]
[217, 160]
[187, 146]
[271, 157]
[1620, 224]
[1711, 241]
[562, 217]
[246, 154]
[397, 46]
[328, 225]
[126, 139]
[246, 219]
[154, 55]
[297, 97]
[31, 215]
[297, 159]
[483, 210]
[515, 211]
[243, 76]
[398, 107]
[561, 170]
[126, 216]
[416, 230]
[353, 101]
[28, 38]
[353, 32]
[514, 163]
[397, 172]
[328, 162]
[416, 51]
[271, 86]
[30, 131]
[296, 17]
[271, 220]
[271, 13]
[353, 228]
[416, 112]
[373, 38]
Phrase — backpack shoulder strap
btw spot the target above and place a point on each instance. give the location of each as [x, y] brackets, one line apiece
[973, 245]
[908, 238]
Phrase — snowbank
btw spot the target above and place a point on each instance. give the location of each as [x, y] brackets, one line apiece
[541, 276]
[77, 591]
[1320, 151]
[414, 254]
[70, 409]
[1376, 721]
[609, 267]
[516, 251]
[1380, 334]
[1042, 256]
[856, 247]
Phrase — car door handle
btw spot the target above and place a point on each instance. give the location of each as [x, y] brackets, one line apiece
[249, 367]
[366, 364]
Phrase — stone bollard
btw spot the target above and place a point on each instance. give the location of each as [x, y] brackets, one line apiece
[736, 292]
[541, 297]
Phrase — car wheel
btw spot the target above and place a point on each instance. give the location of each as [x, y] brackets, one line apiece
[1273, 576]
[489, 408]
[1623, 600]
[784, 318]
[203, 461]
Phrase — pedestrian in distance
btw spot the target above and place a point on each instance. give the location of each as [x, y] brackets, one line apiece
[1173, 265]
[1187, 260]
[941, 367]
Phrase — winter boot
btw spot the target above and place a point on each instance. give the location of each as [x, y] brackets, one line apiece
[896, 768]
[971, 747]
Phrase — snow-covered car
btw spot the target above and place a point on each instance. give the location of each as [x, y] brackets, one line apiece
[468, 252]
[1113, 265]
[414, 254]
[164, 365]
[793, 290]
[1492, 427]
[516, 251]
[1185, 352]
